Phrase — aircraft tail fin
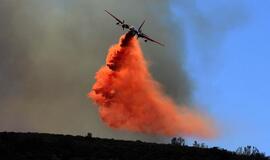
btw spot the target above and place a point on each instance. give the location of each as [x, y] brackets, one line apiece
[140, 28]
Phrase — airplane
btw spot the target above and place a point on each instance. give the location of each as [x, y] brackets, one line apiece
[133, 31]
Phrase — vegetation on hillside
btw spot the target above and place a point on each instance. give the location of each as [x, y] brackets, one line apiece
[28, 146]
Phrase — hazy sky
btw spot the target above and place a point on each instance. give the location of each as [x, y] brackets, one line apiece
[232, 78]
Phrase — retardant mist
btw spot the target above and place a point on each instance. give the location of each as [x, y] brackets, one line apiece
[130, 99]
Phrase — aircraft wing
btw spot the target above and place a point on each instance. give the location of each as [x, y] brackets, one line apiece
[148, 38]
[114, 17]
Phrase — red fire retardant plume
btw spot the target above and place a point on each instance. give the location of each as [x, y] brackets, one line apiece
[129, 98]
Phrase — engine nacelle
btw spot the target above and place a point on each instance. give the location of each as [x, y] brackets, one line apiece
[117, 23]
[145, 40]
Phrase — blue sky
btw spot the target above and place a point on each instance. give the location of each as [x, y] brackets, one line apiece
[231, 76]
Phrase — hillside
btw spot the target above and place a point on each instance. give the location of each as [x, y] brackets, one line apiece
[28, 146]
